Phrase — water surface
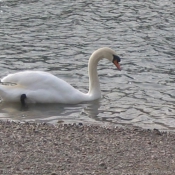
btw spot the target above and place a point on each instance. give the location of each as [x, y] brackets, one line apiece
[59, 36]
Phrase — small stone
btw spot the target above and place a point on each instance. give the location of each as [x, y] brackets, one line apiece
[157, 132]
[149, 143]
[53, 173]
[102, 164]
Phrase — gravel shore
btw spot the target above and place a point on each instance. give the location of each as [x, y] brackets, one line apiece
[32, 148]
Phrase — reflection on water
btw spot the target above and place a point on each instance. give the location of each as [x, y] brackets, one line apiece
[59, 36]
[50, 113]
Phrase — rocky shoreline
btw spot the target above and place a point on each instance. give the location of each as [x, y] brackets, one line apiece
[33, 148]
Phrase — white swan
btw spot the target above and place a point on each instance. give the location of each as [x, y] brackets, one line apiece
[43, 87]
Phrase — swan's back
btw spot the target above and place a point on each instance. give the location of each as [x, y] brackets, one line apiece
[29, 78]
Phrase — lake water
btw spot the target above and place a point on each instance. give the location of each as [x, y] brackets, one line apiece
[59, 36]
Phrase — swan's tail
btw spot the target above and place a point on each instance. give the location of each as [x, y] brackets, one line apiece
[2, 91]
[10, 92]
[5, 90]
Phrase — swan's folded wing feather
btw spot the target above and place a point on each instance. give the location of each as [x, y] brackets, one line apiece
[27, 78]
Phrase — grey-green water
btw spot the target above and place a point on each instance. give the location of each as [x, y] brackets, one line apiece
[59, 37]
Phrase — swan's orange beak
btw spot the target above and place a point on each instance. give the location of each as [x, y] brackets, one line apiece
[117, 64]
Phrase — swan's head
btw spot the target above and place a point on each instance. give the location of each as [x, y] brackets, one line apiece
[116, 60]
[112, 56]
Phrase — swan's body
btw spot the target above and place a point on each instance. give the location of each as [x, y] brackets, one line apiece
[43, 87]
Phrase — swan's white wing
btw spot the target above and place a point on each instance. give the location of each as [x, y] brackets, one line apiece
[29, 78]
[40, 87]
[35, 80]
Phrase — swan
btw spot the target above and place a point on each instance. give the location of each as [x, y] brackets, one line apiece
[43, 87]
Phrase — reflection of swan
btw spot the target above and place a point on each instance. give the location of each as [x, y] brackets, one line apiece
[43, 87]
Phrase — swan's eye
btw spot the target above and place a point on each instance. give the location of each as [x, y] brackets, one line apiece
[116, 58]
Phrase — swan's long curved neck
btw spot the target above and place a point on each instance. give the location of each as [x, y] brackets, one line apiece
[94, 85]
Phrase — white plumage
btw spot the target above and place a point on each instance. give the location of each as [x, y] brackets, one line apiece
[43, 87]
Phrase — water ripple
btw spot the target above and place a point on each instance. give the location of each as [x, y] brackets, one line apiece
[59, 36]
